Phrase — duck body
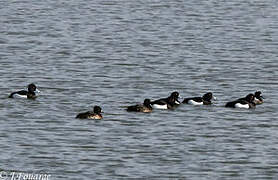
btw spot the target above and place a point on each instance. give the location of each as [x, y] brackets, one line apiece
[246, 103]
[240, 104]
[23, 94]
[89, 115]
[30, 94]
[195, 101]
[96, 114]
[205, 100]
[145, 107]
[167, 103]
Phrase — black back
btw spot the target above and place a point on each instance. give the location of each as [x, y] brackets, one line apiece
[30, 93]
[249, 99]
[84, 115]
[171, 100]
[206, 99]
[196, 99]
[23, 93]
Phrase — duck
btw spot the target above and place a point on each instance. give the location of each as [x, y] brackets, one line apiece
[247, 102]
[95, 114]
[30, 94]
[167, 103]
[205, 100]
[258, 98]
[145, 107]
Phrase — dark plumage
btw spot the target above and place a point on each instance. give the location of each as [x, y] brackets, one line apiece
[258, 98]
[205, 100]
[96, 114]
[30, 94]
[167, 103]
[247, 102]
[145, 107]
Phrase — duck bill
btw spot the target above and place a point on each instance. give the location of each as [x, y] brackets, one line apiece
[214, 98]
[37, 91]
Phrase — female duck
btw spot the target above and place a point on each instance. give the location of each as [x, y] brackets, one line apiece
[167, 103]
[96, 114]
[30, 94]
[247, 102]
[205, 100]
[145, 107]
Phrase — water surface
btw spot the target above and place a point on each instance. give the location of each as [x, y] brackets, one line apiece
[117, 53]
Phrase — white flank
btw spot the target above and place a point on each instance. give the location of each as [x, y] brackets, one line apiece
[19, 96]
[195, 103]
[238, 105]
[157, 106]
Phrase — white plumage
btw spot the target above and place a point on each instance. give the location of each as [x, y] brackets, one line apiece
[239, 105]
[195, 103]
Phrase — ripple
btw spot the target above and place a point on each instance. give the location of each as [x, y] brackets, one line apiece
[115, 54]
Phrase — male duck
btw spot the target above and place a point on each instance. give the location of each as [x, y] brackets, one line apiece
[30, 94]
[258, 98]
[205, 100]
[167, 103]
[247, 102]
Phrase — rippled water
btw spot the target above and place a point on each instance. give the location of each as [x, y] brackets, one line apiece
[82, 53]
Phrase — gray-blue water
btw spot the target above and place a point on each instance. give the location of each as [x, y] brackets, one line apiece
[82, 53]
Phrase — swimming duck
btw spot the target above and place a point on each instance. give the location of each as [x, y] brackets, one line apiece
[30, 94]
[145, 107]
[205, 100]
[247, 102]
[96, 114]
[167, 103]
